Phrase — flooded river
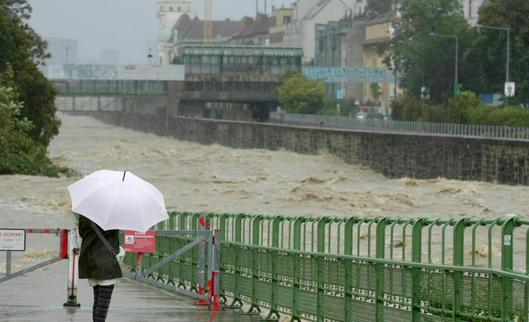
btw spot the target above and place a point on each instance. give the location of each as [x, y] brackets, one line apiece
[213, 178]
[196, 177]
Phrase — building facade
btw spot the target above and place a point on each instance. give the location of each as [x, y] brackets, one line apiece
[354, 45]
[471, 10]
[378, 33]
[283, 17]
[329, 51]
[308, 13]
[168, 12]
[234, 82]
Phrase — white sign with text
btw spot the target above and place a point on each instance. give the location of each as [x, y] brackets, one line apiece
[509, 89]
[12, 239]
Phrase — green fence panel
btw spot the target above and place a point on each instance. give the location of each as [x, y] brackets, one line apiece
[361, 269]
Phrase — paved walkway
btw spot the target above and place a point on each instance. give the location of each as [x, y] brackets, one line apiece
[39, 296]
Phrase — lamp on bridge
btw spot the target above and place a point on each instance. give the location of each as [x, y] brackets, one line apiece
[149, 56]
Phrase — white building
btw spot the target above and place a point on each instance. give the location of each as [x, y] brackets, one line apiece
[471, 10]
[168, 13]
[307, 13]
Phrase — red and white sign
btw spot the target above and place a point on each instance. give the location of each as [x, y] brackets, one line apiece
[136, 242]
[13, 239]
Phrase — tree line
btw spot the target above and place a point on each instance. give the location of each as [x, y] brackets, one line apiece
[27, 99]
[423, 51]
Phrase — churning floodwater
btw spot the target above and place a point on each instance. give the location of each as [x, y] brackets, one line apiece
[212, 178]
[195, 177]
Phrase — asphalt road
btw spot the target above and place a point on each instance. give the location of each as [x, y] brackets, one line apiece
[39, 296]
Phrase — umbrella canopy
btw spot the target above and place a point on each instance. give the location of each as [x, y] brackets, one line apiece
[118, 200]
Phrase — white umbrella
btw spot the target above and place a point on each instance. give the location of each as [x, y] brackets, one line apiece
[118, 200]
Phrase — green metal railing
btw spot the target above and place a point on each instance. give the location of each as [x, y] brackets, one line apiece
[362, 269]
[99, 87]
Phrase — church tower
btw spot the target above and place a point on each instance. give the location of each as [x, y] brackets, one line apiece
[168, 12]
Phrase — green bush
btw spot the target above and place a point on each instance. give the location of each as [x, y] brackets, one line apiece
[347, 107]
[298, 94]
[516, 116]
[434, 113]
[408, 108]
[480, 114]
[461, 106]
[464, 109]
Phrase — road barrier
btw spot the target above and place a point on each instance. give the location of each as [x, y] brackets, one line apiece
[14, 240]
[361, 269]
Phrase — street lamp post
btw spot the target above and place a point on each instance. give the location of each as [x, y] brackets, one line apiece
[507, 64]
[456, 72]
[149, 56]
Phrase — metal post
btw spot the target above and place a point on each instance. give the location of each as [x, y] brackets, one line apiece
[202, 298]
[73, 271]
[380, 250]
[458, 260]
[507, 265]
[214, 282]
[348, 269]
[8, 263]
[416, 253]
[508, 59]
[507, 67]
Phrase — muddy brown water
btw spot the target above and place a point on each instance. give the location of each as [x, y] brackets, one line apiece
[212, 178]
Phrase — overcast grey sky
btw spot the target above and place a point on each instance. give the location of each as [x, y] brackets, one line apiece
[125, 25]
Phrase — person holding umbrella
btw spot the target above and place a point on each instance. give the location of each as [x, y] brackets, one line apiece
[98, 263]
[109, 201]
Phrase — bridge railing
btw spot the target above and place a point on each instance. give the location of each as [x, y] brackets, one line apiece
[99, 87]
[470, 130]
[364, 269]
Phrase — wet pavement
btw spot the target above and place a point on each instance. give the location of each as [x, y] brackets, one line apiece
[39, 296]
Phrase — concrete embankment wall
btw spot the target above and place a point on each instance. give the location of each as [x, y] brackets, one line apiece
[393, 154]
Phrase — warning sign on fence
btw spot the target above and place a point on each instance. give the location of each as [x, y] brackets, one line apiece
[137, 242]
[13, 239]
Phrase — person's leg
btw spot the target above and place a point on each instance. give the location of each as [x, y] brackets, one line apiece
[103, 302]
[96, 295]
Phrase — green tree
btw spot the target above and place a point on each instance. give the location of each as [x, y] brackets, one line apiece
[22, 50]
[20, 154]
[424, 59]
[298, 94]
[488, 51]
[376, 92]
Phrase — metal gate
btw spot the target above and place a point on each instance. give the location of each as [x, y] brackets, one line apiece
[68, 249]
[205, 245]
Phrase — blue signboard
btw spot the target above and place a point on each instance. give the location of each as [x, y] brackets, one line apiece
[349, 74]
[340, 94]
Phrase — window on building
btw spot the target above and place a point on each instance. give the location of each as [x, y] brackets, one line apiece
[178, 9]
[170, 8]
[286, 19]
[321, 46]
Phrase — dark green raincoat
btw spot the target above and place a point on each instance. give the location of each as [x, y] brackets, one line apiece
[95, 260]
